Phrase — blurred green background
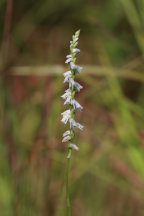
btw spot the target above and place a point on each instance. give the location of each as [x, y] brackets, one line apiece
[107, 174]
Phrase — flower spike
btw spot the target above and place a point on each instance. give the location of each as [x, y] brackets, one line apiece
[69, 95]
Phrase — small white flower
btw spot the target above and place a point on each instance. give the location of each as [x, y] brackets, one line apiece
[67, 76]
[76, 50]
[66, 133]
[75, 67]
[71, 82]
[78, 86]
[68, 100]
[75, 84]
[69, 56]
[66, 79]
[67, 73]
[66, 116]
[76, 105]
[67, 94]
[73, 102]
[66, 138]
[68, 60]
[73, 124]
[74, 146]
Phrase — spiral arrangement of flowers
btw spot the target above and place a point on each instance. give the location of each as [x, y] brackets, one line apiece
[69, 95]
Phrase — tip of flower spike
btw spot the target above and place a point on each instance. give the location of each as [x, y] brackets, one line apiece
[77, 32]
[75, 38]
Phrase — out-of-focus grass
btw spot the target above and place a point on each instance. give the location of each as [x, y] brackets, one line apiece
[107, 175]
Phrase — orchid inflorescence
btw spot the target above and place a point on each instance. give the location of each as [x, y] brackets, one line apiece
[69, 95]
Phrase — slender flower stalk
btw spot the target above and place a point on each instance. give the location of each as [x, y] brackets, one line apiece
[69, 115]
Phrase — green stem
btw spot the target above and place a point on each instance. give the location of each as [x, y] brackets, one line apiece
[67, 182]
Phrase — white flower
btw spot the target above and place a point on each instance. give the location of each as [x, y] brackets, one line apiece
[66, 79]
[67, 76]
[68, 60]
[66, 138]
[66, 133]
[75, 39]
[76, 105]
[74, 146]
[75, 67]
[73, 102]
[67, 94]
[75, 84]
[66, 116]
[68, 100]
[71, 82]
[69, 56]
[76, 50]
[73, 124]
[67, 73]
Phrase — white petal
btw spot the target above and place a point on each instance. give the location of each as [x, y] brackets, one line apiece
[75, 67]
[68, 90]
[68, 100]
[66, 133]
[80, 126]
[67, 73]
[74, 146]
[69, 56]
[73, 123]
[71, 82]
[64, 120]
[66, 79]
[66, 112]
[68, 60]
[76, 50]
[67, 76]
[66, 138]
[66, 116]
[76, 105]
[77, 86]
[66, 94]
[71, 101]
